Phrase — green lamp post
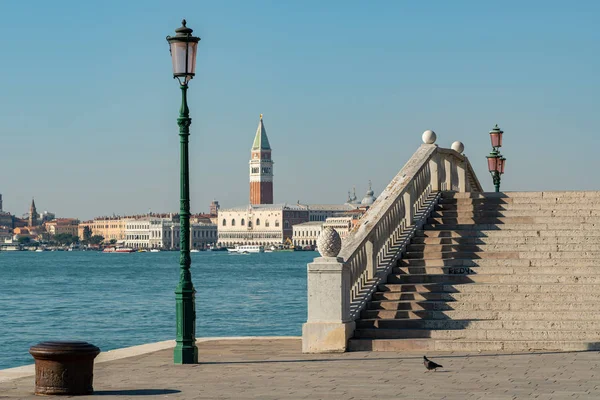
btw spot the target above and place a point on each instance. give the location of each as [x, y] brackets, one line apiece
[183, 53]
[496, 161]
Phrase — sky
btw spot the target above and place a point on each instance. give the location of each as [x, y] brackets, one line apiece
[88, 106]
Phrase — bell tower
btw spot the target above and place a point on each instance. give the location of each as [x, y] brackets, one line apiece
[32, 214]
[261, 168]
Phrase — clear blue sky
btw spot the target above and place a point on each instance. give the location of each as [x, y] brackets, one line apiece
[88, 105]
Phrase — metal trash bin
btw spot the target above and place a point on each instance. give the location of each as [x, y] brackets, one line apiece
[65, 368]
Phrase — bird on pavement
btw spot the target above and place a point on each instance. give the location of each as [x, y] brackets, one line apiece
[430, 365]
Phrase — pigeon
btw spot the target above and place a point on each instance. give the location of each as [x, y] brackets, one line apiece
[430, 365]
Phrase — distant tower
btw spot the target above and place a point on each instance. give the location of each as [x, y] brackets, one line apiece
[0, 202]
[32, 214]
[261, 168]
[214, 207]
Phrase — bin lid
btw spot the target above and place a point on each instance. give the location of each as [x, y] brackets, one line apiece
[59, 348]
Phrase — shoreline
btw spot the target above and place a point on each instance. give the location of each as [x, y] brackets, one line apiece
[9, 374]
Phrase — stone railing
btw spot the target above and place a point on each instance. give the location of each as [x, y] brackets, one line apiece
[342, 281]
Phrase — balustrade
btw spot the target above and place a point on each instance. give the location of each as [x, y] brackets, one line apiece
[339, 287]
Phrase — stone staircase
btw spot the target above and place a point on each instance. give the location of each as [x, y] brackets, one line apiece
[515, 271]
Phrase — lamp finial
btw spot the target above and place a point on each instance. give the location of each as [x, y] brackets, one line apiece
[261, 117]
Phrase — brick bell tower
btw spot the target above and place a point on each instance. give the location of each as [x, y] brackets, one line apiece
[261, 168]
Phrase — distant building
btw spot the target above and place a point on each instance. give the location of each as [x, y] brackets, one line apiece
[6, 219]
[306, 234]
[63, 225]
[0, 202]
[320, 212]
[163, 233]
[264, 224]
[107, 227]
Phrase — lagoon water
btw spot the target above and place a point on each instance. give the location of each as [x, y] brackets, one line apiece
[121, 300]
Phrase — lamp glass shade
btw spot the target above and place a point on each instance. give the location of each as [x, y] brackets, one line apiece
[183, 54]
[493, 163]
[501, 163]
[496, 138]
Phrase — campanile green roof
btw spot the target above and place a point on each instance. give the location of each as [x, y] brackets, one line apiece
[261, 141]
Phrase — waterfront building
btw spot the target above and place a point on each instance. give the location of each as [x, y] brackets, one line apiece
[264, 224]
[5, 233]
[63, 225]
[307, 233]
[108, 227]
[164, 233]
[22, 232]
[6, 219]
[261, 168]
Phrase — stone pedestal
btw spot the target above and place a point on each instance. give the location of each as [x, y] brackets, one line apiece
[328, 326]
[64, 368]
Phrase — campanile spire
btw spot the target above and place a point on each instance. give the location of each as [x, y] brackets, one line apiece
[261, 167]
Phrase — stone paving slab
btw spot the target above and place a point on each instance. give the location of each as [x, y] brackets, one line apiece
[277, 369]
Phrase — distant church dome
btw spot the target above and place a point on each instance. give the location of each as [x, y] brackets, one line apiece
[369, 197]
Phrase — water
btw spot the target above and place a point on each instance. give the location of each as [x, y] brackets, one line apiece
[121, 300]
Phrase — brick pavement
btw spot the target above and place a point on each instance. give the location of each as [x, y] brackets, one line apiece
[276, 369]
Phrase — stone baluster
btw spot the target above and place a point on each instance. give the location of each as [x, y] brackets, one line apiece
[460, 167]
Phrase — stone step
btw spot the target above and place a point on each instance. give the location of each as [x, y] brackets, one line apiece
[509, 240]
[498, 262]
[506, 233]
[478, 334]
[466, 324]
[576, 207]
[525, 255]
[462, 270]
[493, 278]
[442, 305]
[512, 195]
[526, 247]
[574, 221]
[422, 345]
[511, 315]
[521, 200]
[514, 227]
[490, 288]
[549, 297]
[479, 214]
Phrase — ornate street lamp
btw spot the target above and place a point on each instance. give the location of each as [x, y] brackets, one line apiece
[183, 53]
[496, 161]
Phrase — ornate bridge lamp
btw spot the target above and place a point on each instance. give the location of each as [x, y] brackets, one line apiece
[496, 161]
[183, 53]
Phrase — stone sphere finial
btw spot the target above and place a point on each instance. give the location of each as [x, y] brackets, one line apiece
[459, 147]
[329, 242]
[429, 137]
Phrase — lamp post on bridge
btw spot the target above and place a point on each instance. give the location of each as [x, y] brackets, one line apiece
[183, 54]
[496, 161]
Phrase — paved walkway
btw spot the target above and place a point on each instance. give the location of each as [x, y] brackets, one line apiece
[276, 369]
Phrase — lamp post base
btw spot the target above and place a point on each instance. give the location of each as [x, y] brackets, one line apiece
[185, 354]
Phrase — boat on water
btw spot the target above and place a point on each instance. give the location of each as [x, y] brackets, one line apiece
[118, 250]
[194, 251]
[154, 251]
[215, 248]
[247, 249]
